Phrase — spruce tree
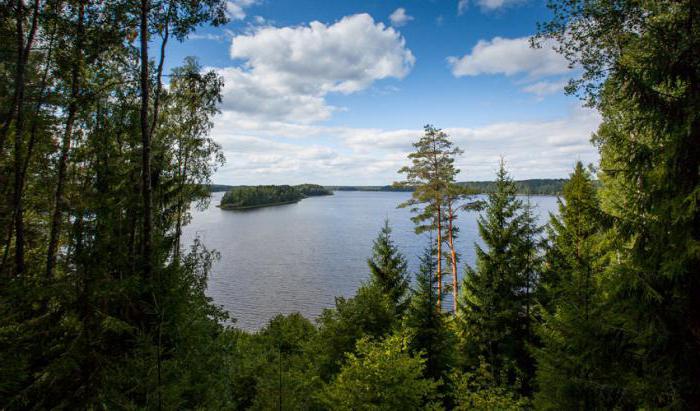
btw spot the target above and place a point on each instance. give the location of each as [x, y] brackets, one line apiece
[388, 268]
[573, 363]
[493, 308]
[640, 68]
[425, 327]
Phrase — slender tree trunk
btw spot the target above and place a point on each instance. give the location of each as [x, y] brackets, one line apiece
[438, 272]
[159, 76]
[19, 134]
[59, 200]
[453, 255]
[23, 56]
[146, 144]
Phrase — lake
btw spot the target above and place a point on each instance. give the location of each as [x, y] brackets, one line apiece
[299, 257]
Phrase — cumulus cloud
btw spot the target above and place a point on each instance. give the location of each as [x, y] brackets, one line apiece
[235, 9]
[399, 17]
[287, 72]
[281, 152]
[509, 56]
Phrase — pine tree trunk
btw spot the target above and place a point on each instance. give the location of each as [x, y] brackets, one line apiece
[438, 271]
[453, 258]
[59, 200]
[146, 144]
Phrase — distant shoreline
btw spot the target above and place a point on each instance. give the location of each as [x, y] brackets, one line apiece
[544, 186]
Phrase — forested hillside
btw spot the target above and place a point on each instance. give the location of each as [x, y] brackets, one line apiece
[103, 152]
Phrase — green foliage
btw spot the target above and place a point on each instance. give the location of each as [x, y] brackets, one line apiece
[479, 390]
[576, 367]
[641, 70]
[101, 310]
[427, 329]
[388, 270]
[310, 190]
[431, 172]
[386, 364]
[243, 197]
[370, 313]
[537, 186]
[496, 315]
[259, 196]
[273, 367]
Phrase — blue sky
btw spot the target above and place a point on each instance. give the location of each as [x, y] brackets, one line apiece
[334, 92]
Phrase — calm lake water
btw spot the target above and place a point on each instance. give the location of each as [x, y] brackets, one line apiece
[299, 257]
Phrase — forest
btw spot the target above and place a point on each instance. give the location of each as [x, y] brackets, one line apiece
[246, 197]
[103, 154]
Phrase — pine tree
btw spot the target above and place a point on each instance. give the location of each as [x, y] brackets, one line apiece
[388, 268]
[493, 304]
[431, 174]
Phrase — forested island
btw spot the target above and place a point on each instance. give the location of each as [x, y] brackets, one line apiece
[102, 307]
[247, 197]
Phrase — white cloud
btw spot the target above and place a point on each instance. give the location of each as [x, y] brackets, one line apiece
[399, 17]
[235, 9]
[509, 56]
[280, 152]
[207, 36]
[544, 88]
[488, 5]
[288, 71]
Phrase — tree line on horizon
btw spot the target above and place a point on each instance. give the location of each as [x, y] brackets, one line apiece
[537, 186]
[102, 307]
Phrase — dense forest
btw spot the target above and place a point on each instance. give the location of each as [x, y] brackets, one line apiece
[259, 196]
[311, 190]
[101, 307]
[244, 197]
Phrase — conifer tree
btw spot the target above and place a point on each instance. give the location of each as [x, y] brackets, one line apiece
[388, 268]
[455, 194]
[425, 327]
[492, 322]
[431, 173]
[573, 370]
[640, 68]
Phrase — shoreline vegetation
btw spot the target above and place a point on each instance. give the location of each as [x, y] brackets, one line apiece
[539, 186]
[251, 197]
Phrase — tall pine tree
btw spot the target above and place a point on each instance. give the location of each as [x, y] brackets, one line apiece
[431, 173]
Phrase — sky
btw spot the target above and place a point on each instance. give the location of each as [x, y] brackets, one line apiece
[335, 92]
